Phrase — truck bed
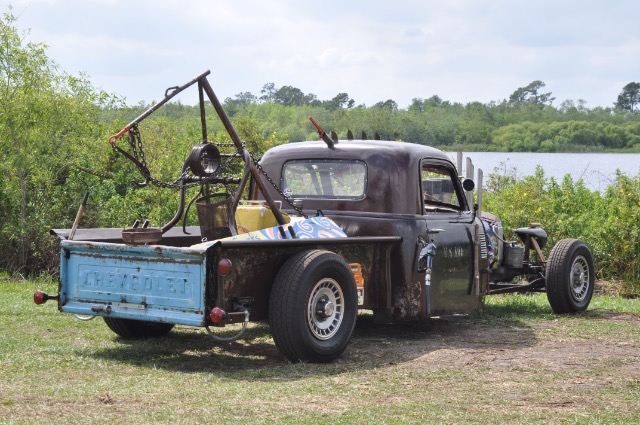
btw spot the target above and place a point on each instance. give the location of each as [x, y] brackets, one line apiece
[162, 283]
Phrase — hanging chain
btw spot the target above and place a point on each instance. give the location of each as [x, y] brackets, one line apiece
[276, 187]
[135, 140]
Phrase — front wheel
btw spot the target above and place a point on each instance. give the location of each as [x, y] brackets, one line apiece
[313, 307]
[570, 276]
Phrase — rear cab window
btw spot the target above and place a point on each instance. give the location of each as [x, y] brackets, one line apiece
[324, 179]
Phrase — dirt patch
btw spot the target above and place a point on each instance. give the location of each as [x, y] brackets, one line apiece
[554, 369]
[460, 342]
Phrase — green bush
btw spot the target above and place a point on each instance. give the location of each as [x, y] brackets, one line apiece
[607, 223]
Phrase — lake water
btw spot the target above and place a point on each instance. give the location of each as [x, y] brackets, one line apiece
[596, 169]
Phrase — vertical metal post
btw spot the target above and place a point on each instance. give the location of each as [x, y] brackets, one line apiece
[459, 163]
[78, 216]
[479, 192]
[238, 143]
[469, 175]
[203, 115]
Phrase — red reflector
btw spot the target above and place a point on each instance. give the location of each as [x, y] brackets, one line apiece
[217, 315]
[224, 267]
[40, 297]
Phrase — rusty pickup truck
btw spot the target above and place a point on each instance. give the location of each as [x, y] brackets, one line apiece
[331, 227]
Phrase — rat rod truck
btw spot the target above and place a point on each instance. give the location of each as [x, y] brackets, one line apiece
[391, 231]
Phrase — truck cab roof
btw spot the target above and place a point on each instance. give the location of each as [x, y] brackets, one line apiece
[388, 184]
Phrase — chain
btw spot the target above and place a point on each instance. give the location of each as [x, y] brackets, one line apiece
[135, 140]
[276, 187]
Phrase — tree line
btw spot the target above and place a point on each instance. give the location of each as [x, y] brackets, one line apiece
[525, 122]
[54, 129]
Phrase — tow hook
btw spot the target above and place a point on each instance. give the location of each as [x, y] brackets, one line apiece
[221, 318]
[234, 317]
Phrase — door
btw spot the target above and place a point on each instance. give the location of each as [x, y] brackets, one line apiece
[450, 227]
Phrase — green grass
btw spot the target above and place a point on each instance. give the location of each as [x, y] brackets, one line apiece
[535, 306]
[515, 362]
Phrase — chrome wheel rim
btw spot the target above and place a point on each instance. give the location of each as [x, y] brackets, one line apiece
[325, 308]
[579, 279]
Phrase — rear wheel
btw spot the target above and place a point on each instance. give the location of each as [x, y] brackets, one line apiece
[570, 276]
[136, 329]
[313, 307]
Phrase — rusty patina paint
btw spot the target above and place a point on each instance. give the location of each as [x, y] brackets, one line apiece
[393, 206]
[256, 263]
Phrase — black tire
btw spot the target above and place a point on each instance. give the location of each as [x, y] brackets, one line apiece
[570, 276]
[137, 329]
[313, 307]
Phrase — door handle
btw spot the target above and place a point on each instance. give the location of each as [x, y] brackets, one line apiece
[434, 231]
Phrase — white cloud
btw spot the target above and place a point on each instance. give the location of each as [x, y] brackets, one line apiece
[461, 50]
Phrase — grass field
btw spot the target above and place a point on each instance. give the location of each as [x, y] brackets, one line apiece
[515, 362]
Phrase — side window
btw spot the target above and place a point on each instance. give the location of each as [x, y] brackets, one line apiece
[438, 188]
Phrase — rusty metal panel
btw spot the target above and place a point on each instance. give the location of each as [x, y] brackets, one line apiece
[257, 262]
[152, 283]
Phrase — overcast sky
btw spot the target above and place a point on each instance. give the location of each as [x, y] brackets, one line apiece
[460, 50]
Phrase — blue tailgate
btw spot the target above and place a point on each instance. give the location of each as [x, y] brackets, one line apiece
[150, 282]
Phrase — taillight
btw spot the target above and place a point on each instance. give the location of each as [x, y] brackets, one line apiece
[224, 267]
[40, 297]
[217, 315]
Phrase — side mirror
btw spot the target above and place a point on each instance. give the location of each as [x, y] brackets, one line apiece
[468, 185]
